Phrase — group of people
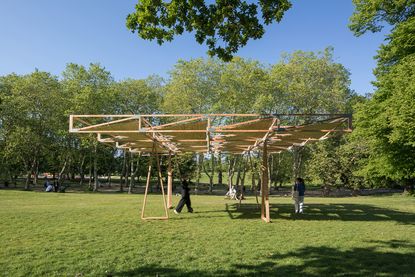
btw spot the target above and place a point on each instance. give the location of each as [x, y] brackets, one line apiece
[298, 190]
[52, 187]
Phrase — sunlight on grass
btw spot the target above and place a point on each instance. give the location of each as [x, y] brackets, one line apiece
[102, 234]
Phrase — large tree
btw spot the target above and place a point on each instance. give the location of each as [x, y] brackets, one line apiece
[386, 121]
[308, 82]
[223, 25]
[29, 115]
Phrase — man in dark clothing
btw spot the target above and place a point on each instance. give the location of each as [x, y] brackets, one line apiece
[185, 198]
[298, 195]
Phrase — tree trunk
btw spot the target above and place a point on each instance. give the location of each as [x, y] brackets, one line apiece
[60, 174]
[109, 179]
[130, 187]
[212, 175]
[243, 180]
[212, 172]
[28, 179]
[95, 168]
[277, 171]
[29, 174]
[231, 172]
[90, 172]
[297, 152]
[409, 186]
[122, 172]
[220, 174]
[81, 171]
[270, 169]
[36, 173]
[198, 172]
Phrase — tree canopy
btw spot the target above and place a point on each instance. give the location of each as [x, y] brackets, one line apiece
[34, 110]
[224, 26]
[386, 122]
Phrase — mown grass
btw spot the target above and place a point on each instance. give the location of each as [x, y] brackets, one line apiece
[52, 234]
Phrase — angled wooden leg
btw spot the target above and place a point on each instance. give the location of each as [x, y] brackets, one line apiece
[148, 184]
[265, 215]
[169, 183]
[162, 187]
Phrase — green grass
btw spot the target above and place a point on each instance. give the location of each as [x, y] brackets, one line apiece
[50, 234]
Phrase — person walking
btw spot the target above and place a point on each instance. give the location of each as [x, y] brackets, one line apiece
[185, 200]
[298, 195]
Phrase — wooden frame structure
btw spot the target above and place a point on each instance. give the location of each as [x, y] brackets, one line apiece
[172, 134]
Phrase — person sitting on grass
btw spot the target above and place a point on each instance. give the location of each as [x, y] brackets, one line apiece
[185, 198]
[298, 195]
[49, 187]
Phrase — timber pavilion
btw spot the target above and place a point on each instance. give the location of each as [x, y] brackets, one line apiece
[173, 134]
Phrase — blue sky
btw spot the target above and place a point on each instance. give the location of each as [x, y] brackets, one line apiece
[48, 34]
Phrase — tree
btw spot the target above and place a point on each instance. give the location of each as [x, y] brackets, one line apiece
[386, 121]
[243, 88]
[370, 14]
[401, 44]
[90, 91]
[310, 82]
[193, 87]
[138, 96]
[224, 26]
[29, 117]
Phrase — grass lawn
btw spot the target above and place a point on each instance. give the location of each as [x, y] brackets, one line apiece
[80, 234]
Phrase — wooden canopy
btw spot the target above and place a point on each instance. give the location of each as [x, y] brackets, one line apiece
[212, 133]
[160, 134]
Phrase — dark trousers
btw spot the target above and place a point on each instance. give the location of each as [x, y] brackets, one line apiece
[185, 200]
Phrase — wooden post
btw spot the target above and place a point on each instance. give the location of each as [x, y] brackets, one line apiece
[162, 187]
[264, 185]
[169, 183]
[147, 185]
[154, 153]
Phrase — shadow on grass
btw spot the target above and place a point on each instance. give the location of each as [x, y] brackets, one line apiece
[310, 261]
[343, 212]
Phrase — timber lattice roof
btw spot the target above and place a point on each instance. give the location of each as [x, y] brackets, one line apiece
[209, 133]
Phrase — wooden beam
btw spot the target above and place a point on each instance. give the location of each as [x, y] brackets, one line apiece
[176, 123]
[150, 162]
[169, 183]
[264, 185]
[162, 186]
[108, 123]
[208, 134]
[70, 123]
[143, 217]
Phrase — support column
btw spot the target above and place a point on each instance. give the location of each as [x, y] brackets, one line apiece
[169, 183]
[162, 187]
[264, 185]
[147, 184]
[153, 154]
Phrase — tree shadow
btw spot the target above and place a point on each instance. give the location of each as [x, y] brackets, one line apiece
[342, 212]
[309, 261]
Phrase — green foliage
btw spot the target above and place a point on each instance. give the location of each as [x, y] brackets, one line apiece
[302, 82]
[193, 87]
[224, 26]
[401, 44]
[324, 165]
[387, 123]
[185, 165]
[307, 82]
[137, 96]
[370, 14]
